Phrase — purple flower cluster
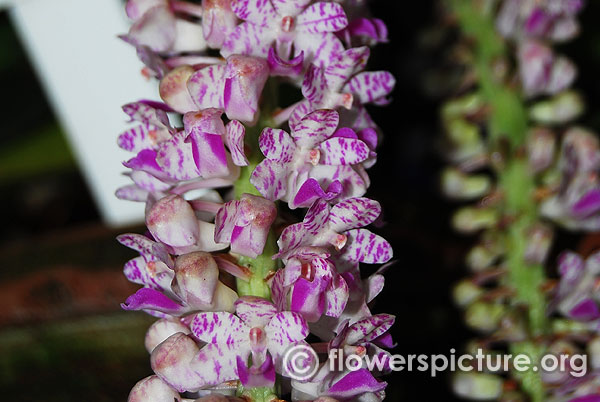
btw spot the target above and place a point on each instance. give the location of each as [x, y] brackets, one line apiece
[231, 301]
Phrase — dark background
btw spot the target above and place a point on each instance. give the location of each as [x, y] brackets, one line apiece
[62, 334]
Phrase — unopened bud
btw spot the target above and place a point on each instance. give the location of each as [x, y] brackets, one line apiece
[477, 386]
[458, 185]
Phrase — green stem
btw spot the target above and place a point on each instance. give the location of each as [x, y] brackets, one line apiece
[262, 265]
[508, 120]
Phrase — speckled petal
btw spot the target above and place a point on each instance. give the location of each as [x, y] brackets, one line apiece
[176, 159]
[353, 213]
[255, 311]
[259, 12]
[276, 145]
[371, 86]
[234, 138]
[343, 151]
[322, 17]
[270, 179]
[206, 86]
[364, 246]
[220, 328]
[315, 128]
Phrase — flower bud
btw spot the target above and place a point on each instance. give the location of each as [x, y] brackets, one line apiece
[172, 221]
[458, 185]
[218, 20]
[465, 292]
[161, 330]
[174, 91]
[245, 78]
[171, 362]
[484, 316]
[153, 389]
[477, 386]
[471, 219]
[541, 145]
[560, 109]
[538, 245]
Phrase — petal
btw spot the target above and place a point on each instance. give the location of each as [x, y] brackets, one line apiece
[137, 242]
[132, 193]
[311, 190]
[153, 389]
[364, 246]
[355, 383]
[225, 221]
[220, 328]
[255, 311]
[277, 145]
[353, 184]
[322, 17]
[588, 204]
[148, 182]
[174, 89]
[314, 85]
[291, 238]
[270, 179]
[290, 7]
[151, 299]
[155, 29]
[209, 154]
[371, 86]
[315, 128]
[280, 67]
[216, 364]
[196, 278]
[369, 328]
[161, 330]
[262, 376]
[234, 139]
[345, 66]
[302, 109]
[135, 9]
[343, 151]
[176, 159]
[316, 217]
[585, 310]
[173, 221]
[337, 297]
[285, 328]
[353, 213]
[307, 299]
[250, 40]
[206, 87]
[319, 48]
[258, 12]
[146, 160]
[138, 138]
[245, 78]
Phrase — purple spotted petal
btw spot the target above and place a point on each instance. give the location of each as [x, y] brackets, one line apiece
[137, 242]
[292, 237]
[153, 274]
[220, 328]
[307, 299]
[284, 329]
[353, 213]
[343, 151]
[256, 11]
[256, 376]
[290, 7]
[367, 247]
[176, 158]
[586, 310]
[337, 297]
[216, 363]
[206, 86]
[371, 86]
[148, 182]
[316, 218]
[280, 67]
[234, 138]
[269, 178]
[355, 383]
[140, 137]
[322, 17]
[314, 85]
[318, 48]
[588, 204]
[353, 183]
[254, 311]
[132, 193]
[373, 29]
[277, 145]
[151, 299]
[209, 154]
[250, 40]
[368, 329]
[245, 78]
[311, 191]
[315, 128]
[145, 160]
[345, 66]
